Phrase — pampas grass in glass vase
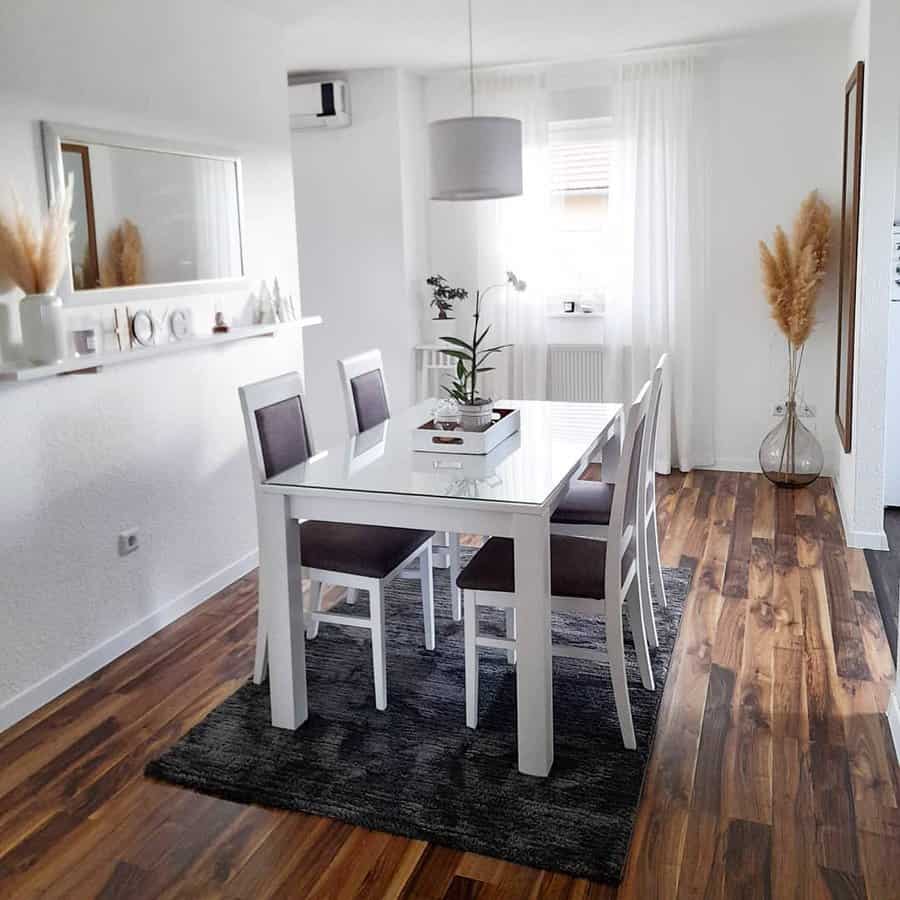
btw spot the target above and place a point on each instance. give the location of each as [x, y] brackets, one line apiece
[33, 260]
[792, 272]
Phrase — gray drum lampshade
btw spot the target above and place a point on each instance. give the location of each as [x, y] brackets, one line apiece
[475, 158]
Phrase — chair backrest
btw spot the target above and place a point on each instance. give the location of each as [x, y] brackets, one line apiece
[278, 434]
[365, 391]
[648, 451]
[622, 536]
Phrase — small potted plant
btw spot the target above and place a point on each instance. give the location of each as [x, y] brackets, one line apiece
[442, 296]
[475, 411]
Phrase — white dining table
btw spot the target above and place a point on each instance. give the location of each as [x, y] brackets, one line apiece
[376, 478]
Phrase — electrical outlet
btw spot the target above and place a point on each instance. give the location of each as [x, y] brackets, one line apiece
[128, 541]
[804, 410]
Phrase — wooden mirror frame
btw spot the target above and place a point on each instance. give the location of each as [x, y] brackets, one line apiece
[853, 119]
[82, 150]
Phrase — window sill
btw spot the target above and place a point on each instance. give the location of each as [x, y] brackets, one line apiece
[578, 314]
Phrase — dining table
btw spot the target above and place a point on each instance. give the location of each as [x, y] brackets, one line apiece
[377, 478]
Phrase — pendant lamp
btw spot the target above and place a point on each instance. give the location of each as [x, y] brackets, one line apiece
[475, 157]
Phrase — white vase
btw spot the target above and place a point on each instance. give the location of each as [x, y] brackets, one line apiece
[43, 328]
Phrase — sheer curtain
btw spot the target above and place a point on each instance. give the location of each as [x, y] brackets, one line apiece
[658, 220]
[478, 242]
[215, 218]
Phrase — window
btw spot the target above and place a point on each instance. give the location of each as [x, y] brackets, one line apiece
[579, 173]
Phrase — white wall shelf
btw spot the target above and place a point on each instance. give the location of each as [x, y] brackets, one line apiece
[94, 362]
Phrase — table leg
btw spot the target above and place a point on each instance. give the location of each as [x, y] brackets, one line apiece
[534, 669]
[281, 593]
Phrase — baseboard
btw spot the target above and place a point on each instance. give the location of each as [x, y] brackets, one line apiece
[859, 540]
[866, 540]
[893, 714]
[746, 464]
[734, 464]
[34, 697]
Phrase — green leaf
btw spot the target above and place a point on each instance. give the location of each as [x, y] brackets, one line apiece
[458, 343]
[483, 334]
[497, 349]
[458, 354]
[486, 369]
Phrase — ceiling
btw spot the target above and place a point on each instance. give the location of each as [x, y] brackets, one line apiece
[428, 34]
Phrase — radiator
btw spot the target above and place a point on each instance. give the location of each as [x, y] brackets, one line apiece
[574, 372]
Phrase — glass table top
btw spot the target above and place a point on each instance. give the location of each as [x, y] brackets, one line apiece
[525, 468]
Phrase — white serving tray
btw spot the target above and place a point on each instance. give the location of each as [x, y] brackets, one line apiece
[428, 437]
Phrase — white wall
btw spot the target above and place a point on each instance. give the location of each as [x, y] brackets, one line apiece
[778, 135]
[354, 221]
[159, 444]
[892, 400]
[874, 36]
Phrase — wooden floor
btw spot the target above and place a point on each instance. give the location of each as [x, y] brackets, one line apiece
[772, 773]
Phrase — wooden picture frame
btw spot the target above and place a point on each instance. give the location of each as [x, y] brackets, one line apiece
[91, 273]
[846, 326]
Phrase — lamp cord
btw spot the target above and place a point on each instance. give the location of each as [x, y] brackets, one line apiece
[471, 63]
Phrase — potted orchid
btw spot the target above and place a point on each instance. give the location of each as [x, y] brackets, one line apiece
[471, 358]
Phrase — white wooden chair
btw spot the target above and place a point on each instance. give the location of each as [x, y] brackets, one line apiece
[367, 406]
[649, 566]
[596, 578]
[585, 509]
[357, 557]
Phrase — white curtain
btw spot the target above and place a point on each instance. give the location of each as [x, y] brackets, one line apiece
[659, 219]
[215, 219]
[476, 243]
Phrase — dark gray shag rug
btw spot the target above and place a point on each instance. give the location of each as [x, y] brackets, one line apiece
[416, 770]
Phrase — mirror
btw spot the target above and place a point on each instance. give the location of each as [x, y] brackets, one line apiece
[853, 122]
[145, 213]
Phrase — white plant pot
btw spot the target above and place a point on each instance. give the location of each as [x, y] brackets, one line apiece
[43, 328]
[476, 415]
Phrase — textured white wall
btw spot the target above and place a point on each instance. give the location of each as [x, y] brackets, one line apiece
[353, 222]
[874, 37]
[777, 136]
[892, 404]
[157, 444]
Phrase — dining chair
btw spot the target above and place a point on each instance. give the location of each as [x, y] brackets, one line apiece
[588, 576]
[584, 510]
[356, 557]
[367, 406]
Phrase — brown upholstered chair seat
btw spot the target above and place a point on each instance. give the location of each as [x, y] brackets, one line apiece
[585, 503]
[577, 567]
[367, 550]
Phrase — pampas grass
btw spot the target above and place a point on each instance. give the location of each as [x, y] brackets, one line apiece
[33, 260]
[792, 272]
[123, 262]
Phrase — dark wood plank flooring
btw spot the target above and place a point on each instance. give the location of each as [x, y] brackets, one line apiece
[772, 773]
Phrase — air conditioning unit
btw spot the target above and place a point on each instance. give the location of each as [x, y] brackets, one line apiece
[322, 104]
